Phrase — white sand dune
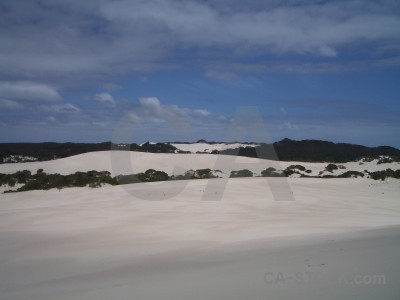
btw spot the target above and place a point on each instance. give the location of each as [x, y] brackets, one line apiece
[200, 239]
[167, 241]
[129, 162]
[123, 162]
[204, 147]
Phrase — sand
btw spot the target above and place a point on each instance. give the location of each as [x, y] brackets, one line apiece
[130, 162]
[172, 240]
[204, 147]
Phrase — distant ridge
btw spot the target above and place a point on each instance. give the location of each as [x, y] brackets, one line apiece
[286, 150]
[316, 150]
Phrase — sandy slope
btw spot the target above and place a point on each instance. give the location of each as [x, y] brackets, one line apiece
[169, 241]
[237, 209]
[204, 147]
[123, 162]
[200, 239]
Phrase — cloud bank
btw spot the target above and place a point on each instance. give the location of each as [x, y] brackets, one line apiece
[105, 99]
[71, 64]
[28, 91]
[95, 41]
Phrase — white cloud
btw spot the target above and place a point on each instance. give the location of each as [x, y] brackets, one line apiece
[105, 99]
[303, 29]
[100, 41]
[196, 112]
[10, 104]
[25, 90]
[180, 119]
[60, 108]
[151, 109]
[149, 101]
[202, 112]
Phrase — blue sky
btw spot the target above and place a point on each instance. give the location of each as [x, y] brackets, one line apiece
[179, 70]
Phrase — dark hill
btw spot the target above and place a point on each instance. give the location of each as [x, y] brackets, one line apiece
[286, 150]
[322, 151]
[49, 151]
[312, 151]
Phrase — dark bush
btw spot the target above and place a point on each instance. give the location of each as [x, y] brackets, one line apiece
[152, 175]
[43, 181]
[11, 181]
[298, 167]
[157, 148]
[382, 175]
[270, 172]
[22, 176]
[95, 184]
[3, 178]
[241, 173]
[331, 167]
[204, 174]
[127, 179]
[179, 177]
[384, 160]
[287, 172]
[350, 174]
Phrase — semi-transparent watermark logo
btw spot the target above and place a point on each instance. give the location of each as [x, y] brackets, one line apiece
[297, 277]
[319, 277]
[364, 279]
[246, 123]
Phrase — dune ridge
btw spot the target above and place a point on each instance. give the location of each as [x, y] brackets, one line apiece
[130, 162]
[195, 239]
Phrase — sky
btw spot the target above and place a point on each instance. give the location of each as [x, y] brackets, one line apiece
[174, 70]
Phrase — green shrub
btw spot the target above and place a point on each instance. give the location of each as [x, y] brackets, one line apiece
[198, 174]
[11, 181]
[127, 179]
[270, 172]
[331, 167]
[350, 174]
[298, 167]
[42, 181]
[152, 175]
[179, 177]
[32, 185]
[22, 176]
[385, 160]
[204, 173]
[382, 175]
[3, 178]
[95, 184]
[287, 172]
[241, 173]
